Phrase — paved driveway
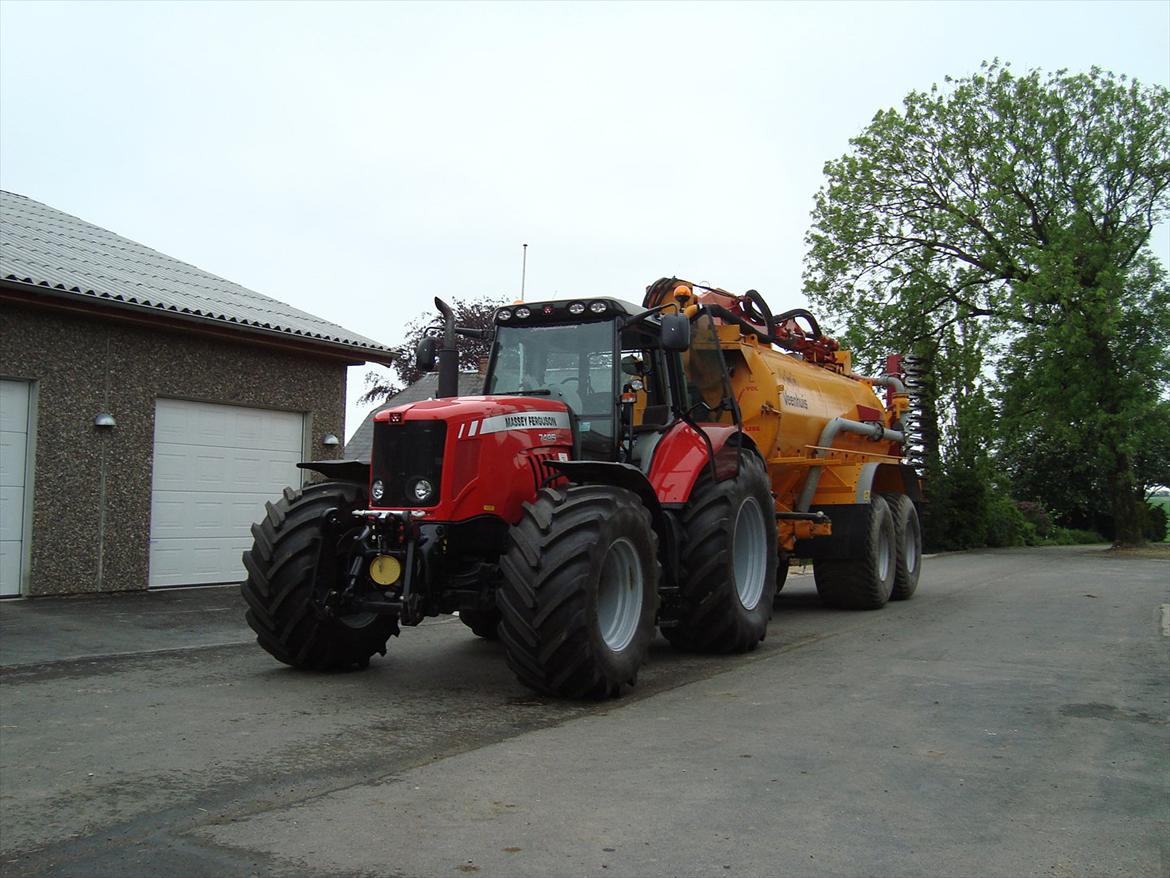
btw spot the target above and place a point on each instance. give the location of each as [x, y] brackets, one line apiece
[1012, 719]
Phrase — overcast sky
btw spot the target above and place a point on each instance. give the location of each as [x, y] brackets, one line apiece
[357, 159]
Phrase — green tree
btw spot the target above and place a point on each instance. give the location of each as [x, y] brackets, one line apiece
[1024, 203]
[472, 313]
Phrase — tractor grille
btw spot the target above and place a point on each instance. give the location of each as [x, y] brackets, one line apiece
[542, 471]
[405, 453]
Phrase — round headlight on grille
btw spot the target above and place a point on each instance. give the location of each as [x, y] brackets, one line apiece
[377, 490]
[422, 491]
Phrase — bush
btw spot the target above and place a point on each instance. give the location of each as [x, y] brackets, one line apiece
[1039, 517]
[1153, 521]
[1069, 536]
[1006, 524]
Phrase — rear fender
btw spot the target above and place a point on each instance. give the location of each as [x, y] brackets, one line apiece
[681, 455]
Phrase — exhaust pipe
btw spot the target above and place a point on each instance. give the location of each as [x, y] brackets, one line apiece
[448, 354]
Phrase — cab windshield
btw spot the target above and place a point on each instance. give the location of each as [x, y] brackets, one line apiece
[573, 363]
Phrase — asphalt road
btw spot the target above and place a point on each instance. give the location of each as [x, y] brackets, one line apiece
[1012, 719]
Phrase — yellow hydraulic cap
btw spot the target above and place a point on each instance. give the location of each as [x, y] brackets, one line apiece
[385, 570]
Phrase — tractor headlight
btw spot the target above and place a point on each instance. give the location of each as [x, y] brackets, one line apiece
[577, 308]
[597, 307]
[422, 491]
[503, 314]
[377, 490]
[523, 313]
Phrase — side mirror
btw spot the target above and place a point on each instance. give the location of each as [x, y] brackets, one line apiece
[424, 355]
[676, 332]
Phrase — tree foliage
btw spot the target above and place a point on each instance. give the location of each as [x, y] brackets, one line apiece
[471, 313]
[1022, 205]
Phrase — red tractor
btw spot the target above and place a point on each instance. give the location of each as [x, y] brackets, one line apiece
[604, 485]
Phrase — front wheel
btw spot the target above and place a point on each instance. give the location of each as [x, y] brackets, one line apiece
[580, 591]
[287, 570]
[728, 562]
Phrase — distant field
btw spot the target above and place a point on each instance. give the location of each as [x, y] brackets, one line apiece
[1164, 502]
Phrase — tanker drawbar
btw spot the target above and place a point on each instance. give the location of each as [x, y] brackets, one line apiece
[628, 469]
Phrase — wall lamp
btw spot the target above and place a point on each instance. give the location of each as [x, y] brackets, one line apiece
[104, 419]
[330, 440]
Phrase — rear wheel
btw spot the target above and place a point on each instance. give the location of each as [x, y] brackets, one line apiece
[728, 562]
[285, 578]
[580, 591]
[908, 545]
[865, 581]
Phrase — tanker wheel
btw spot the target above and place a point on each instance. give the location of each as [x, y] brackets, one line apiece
[580, 591]
[781, 571]
[728, 562]
[483, 623]
[908, 545]
[280, 589]
[865, 581]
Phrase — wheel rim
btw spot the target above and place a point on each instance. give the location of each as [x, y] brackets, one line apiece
[750, 553]
[910, 549]
[619, 595]
[883, 557]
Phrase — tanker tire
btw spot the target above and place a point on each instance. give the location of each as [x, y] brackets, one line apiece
[866, 581]
[483, 623]
[908, 540]
[556, 607]
[279, 593]
[781, 572]
[719, 620]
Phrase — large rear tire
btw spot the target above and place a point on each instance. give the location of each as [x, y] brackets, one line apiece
[580, 591]
[908, 542]
[865, 581]
[280, 589]
[728, 562]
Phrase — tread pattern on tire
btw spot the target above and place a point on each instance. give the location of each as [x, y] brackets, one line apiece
[905, 516]
[547, 602]
[717, 622]
[279, 594]
[853, 583]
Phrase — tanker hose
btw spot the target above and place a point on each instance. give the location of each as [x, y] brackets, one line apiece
[759, 312]
[801, 312]
[723, 314]
[659, 292]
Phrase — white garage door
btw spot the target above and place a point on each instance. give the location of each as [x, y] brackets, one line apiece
[13, 445]
[214, 467]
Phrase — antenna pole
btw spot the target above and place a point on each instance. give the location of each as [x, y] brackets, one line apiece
[523, 272]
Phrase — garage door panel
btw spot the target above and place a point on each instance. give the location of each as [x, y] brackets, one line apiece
[215, 467]
[10, 559]
[11, 512]
[13, 447]
[14, 406]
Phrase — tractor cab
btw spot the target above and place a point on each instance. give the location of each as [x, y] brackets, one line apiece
[624, 372]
